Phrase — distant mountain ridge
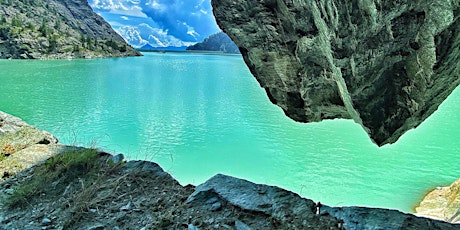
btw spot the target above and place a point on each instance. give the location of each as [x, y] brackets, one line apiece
[216, 42]
[148, 47]
[143, 34]
[43, 29]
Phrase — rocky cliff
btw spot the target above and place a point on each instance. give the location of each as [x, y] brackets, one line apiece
[386, 64]
[39, 29]
[45, 185]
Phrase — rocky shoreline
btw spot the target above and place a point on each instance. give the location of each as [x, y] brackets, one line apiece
[46, 185]
[442, 203]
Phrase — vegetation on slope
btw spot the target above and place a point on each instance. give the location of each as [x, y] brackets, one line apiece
[32, 29]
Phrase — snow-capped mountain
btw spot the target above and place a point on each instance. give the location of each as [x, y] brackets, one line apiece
[159, 23]
[143, 34]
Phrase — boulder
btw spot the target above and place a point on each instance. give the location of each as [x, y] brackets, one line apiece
[442, 203]
[283, 205]
[387, 65]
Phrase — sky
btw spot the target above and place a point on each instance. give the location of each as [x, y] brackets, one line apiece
[159, 22]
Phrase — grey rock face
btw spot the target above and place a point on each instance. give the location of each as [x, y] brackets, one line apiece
[386, 64]
[57, 29]
[281, 204]
[253, 197]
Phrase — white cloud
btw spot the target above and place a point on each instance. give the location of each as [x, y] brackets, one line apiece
[187, 20]
[124, 18]
[191, 31]
[155, 5]
[143, 34]
[132, 36]
[121, 7]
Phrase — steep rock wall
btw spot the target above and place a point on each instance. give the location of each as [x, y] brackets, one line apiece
[386, 64]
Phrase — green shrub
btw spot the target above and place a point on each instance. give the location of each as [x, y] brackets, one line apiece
[62, 168]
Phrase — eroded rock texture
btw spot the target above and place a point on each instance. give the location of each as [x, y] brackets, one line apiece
[442, 203]
[386, 64]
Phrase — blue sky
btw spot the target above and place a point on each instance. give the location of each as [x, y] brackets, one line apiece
[161, 22]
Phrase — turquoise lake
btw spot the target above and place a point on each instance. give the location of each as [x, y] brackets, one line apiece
[200, 114]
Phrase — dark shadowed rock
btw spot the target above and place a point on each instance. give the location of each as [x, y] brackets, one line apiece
[386, 64]
[373, 218]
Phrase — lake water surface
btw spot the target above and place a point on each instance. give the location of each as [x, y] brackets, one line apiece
[198, 115]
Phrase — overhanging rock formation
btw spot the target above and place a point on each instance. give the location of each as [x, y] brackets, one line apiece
[386, 64]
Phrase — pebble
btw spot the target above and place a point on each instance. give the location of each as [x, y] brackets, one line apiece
[9, 191]
[241, 226]
[126, 207]
[97, 227]
[45, 221]
[212, 200]
[118, 158]
[120, 217]
[192, 227]
[210, 221]
[216, 206]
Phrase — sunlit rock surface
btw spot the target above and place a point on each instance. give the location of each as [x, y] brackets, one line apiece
[386, 64]
[442, 203]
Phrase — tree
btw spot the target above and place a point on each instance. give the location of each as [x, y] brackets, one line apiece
[44, 29]
[16, 22]
[57, 25]
[30, 26]
[53, 40]
[4, 32]
[2, 20]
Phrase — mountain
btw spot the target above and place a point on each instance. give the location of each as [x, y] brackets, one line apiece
[39, 29]
[146, 47]
[142, 34]
[216, 42]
